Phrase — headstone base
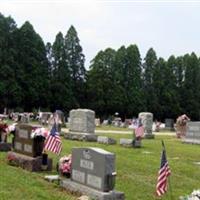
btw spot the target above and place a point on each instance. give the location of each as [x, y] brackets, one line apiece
[106, 140]
[92, 193]
[169, 129]
[126, 142]
[149, 136]
[191, 141]
[27, 162]
[5, 146]
[81, 137]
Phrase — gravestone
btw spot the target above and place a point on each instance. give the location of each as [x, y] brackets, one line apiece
[126, 142]
[97, 122]
[25, 118]
[93, 174]
[4, 145]
[27, 151]
[192, 133]
[169, 124]
[44, 117]
[147, 122]
[106, 140]
[82, 125]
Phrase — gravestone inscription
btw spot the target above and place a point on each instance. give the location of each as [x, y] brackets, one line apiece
[93, 174]
[94, 167]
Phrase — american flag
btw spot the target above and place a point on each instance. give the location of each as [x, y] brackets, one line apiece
[139, 129]
[163, 174]
[53, 142]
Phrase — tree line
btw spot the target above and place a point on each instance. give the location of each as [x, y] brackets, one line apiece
[53, 76]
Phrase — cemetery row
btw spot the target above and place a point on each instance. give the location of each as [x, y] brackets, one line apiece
[91, 170]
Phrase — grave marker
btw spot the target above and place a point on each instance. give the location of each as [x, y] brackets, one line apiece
[192, 133]
[93, 174]
[28, 151]
[82, 125]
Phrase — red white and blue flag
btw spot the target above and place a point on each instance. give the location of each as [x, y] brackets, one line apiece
[164, 172]
[53, 142]
[139, 129]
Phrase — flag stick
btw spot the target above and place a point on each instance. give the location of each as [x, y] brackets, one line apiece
[170, 188]
[168, 179]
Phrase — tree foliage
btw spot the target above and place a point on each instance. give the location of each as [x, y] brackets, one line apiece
[53, 76]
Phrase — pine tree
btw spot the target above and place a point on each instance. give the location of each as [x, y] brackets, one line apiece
[191, 87]
[133, 76]
[10, 91]
[61, 89]
[75, 60]
[33, 68]
[149, 68]
[100, 83]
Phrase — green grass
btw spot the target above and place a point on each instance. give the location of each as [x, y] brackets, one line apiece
[137, 171]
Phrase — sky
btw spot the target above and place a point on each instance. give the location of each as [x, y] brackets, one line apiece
[170, 27]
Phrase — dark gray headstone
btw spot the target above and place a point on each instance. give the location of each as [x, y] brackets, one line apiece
[169, 124]
[192, 132]
[25, 144]
[93, 167]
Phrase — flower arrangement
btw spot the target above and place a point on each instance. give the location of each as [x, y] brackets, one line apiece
[11, 159]
[64, 165]
[195, 195]
[181, 122]
[3, 132]
[39, 132]
[3, 127]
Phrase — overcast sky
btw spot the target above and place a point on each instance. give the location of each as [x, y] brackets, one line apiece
[167, 26]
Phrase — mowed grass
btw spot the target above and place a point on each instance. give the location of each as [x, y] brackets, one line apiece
[137, 171]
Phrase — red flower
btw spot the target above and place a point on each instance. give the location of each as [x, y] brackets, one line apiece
[10, 157]
[3, 127]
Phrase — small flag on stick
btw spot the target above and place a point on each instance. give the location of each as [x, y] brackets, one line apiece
[139, 129]
[164, 172]
[53, 142]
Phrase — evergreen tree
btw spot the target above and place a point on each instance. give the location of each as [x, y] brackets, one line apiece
[75, 60]
[133, 77]
[149, 68]
[191, 86]
[158, 85]
[61, 90]
[170, 97]
[33, 68]
[49, 56]
[9, 87]
[100, 83]
[121, 85]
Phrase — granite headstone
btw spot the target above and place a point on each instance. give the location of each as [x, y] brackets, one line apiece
[192, 133]
[93, 174]
[147, 121]
[82, 125]
[27, 151]
[169, 124]
[93, 167]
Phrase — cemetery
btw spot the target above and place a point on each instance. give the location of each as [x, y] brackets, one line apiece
[105, 122]
[108, 167]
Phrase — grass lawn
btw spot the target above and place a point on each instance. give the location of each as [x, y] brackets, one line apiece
[137, 171]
